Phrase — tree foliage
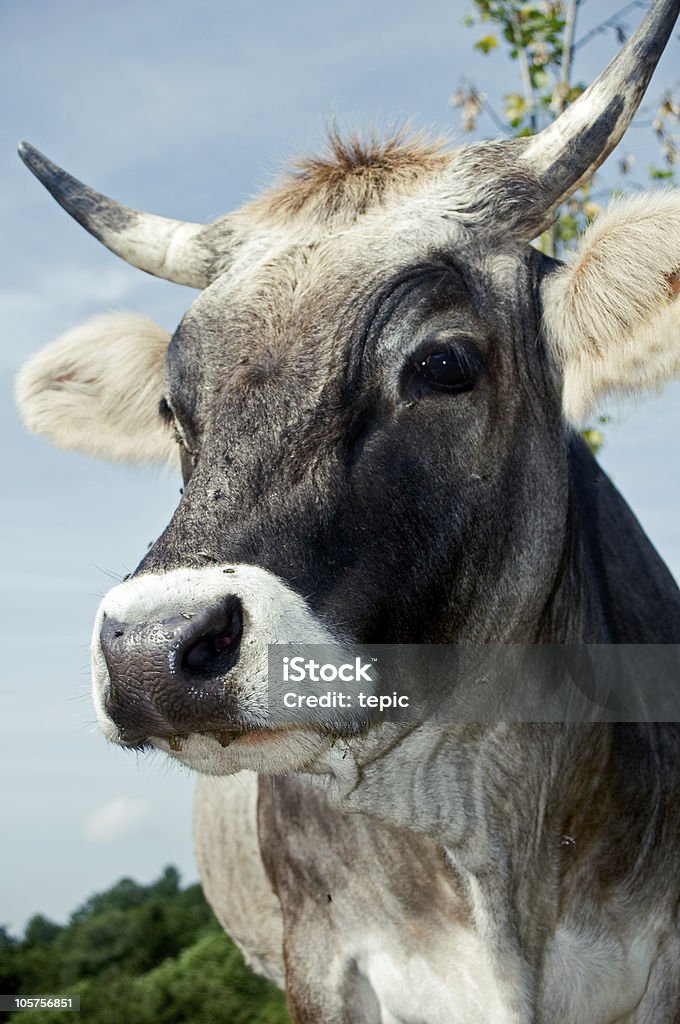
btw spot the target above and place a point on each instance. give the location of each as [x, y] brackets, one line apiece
[141, 955]
[541, 38]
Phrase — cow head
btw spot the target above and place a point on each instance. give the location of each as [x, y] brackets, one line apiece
[370, 400]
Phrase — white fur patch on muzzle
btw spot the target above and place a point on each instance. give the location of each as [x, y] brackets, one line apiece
[272, 614]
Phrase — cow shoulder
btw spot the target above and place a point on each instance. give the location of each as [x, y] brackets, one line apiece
[382, 908]
[232, 875]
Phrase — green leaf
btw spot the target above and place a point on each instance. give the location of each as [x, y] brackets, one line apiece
[593, 438]
[486, 44]
[658, 173]
[539, 78]
[567, 226]
[575, 92]
[515, 109]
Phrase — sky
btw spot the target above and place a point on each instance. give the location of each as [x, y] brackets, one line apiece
[184, 108]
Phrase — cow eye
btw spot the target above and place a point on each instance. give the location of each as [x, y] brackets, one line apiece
[451, 368]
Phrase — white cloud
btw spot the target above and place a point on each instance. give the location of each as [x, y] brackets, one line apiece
[117, 819]
[34, 313]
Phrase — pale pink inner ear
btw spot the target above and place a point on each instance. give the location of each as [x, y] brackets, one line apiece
[674, 282]
[96, 390]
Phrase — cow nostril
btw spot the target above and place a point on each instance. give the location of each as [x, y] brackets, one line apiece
[203, 653]
[216, 651]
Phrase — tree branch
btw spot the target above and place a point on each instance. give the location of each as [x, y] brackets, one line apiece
[525, 73]
[568, 50]
[612, 22]
[488, 108]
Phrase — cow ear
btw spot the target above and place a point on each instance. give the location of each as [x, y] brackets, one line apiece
[97, 390]
[612, 313]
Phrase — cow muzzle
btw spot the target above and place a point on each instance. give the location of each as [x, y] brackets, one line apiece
[185, 653]
[170, 676]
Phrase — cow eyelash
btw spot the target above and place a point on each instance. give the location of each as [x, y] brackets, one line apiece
[167, 415]
[182, 443]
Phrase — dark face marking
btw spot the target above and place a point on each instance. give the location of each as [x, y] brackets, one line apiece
[324, 441]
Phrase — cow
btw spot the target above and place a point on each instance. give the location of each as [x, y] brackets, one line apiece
[374, 401]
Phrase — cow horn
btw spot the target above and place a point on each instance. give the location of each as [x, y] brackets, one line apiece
[173, 249]
[569, 150]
